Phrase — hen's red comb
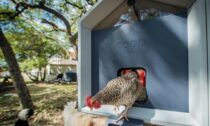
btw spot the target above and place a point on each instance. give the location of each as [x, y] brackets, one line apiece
[87, 100]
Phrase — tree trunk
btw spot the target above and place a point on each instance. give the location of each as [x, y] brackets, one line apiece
[75, 51]
[31, 77]
[43, 77]
[19, 83]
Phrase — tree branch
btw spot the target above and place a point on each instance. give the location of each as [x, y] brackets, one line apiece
[53, 25]
[74, 5]
[31, 77]
[9, 14]
[12, 14]
[84, 10]
[90, 2]
[18, 10]
[42, 6]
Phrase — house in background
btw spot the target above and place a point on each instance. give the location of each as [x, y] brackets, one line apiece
[57, 65]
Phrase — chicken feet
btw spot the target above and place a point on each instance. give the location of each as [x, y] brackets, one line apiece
[123, 114]
[116, 108]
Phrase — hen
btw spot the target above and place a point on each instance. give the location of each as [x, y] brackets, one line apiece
[123, 90]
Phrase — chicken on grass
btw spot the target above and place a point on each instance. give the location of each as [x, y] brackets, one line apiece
[123, 90]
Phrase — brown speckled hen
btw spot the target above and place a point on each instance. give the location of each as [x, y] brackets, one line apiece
[123, 90]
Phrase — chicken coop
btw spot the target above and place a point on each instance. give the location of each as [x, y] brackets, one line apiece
[172, 47]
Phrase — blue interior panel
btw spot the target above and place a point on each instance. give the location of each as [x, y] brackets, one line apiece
[158, 45]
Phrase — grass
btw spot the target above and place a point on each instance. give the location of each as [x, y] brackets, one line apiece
[49, 100]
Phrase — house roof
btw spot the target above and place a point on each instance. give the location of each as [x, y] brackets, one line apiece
[62, 62]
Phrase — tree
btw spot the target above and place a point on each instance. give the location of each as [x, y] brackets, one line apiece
[56, 14]
[35, 51]
[21, 89]
[62, 16]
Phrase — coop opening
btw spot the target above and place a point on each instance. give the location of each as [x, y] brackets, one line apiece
[141, 77]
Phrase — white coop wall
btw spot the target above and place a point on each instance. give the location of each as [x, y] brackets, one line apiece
[198, 85]
[208, 39]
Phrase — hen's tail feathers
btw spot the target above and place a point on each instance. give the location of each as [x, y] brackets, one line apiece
[25, 114]
[23, 117]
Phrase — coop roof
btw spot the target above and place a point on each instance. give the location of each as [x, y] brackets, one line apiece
[107, 12]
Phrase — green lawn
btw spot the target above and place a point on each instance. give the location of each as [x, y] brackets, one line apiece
[49, 100]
